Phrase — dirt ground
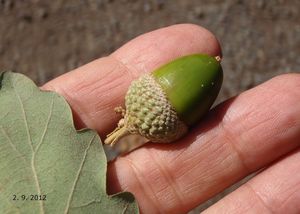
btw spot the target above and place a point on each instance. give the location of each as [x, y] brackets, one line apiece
[43, 39]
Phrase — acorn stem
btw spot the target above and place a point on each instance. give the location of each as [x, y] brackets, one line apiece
[116, 135]
[218, 58]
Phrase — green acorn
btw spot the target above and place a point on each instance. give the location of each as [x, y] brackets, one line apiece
[161, 106]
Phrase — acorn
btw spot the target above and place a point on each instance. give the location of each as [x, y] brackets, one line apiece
[161, 106]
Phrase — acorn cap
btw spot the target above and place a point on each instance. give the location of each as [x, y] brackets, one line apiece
[150, 113]
[160, 106]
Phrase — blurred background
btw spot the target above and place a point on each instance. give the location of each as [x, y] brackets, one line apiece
[44, 39]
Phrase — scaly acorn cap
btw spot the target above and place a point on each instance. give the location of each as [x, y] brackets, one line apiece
[162, 105]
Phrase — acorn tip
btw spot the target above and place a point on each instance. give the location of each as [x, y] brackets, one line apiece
[218, 58]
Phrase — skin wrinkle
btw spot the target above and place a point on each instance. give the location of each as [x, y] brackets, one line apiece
[152, 175]
[260, 125]
[131, 72]
[107, 84]
[113, 86]
[105, 107]
[233, 141]
[135, 171]
[206, 148]
[246, 121]
[257, 197]
[104, 102]
[250, 112]
[137, 66]
[184, 163]
[243, 122]
[209, 174]
[183, 166]
[171, 181]
[237, 206]
[189, 151]
[161, 185]
[283, 204]
[275, 193]
[222, 166]
[167, 196]
[179, 155]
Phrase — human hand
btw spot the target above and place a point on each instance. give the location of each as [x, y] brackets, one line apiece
[259, 128]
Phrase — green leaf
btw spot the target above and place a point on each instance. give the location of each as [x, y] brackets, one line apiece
[41, 154]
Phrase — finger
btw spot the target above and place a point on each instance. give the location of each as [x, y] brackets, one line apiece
[275, 190]
[237, 138]
[94, 90]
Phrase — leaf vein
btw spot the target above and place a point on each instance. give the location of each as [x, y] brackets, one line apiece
[12, 145]
[31, 146]
[46, 126]
[77, 176]
[125, 209]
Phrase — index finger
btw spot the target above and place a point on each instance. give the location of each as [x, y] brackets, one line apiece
[93, 90]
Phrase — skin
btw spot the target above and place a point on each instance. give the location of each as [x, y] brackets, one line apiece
[258, 129]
